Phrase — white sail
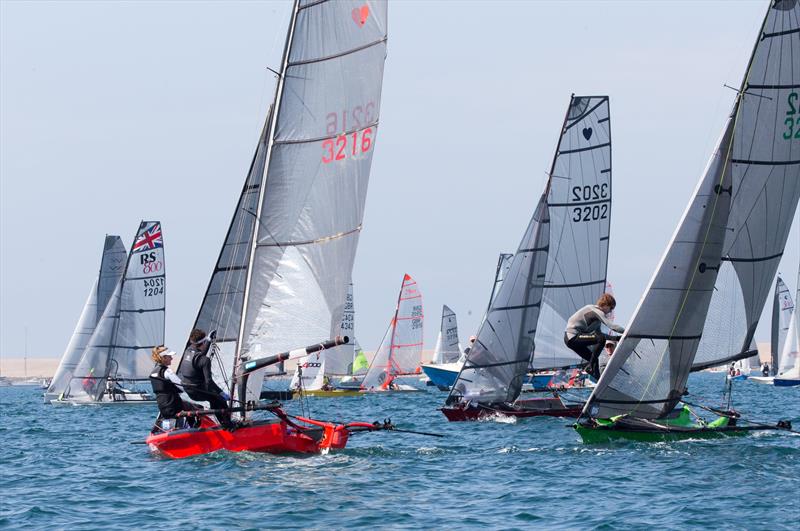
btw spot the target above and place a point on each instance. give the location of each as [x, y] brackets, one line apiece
[338, 360]
[112, 265]
[782, 309]
[725, 251]
[447, 348]
[401, 347]
[579, 207]
[310, 373]
[132, 323]
[789, 365]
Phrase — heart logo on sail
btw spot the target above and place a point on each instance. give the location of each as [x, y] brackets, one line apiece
[587, 133]
[360, 15]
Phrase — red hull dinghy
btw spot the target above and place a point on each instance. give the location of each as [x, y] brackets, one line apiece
[200, 431]
[280, 435]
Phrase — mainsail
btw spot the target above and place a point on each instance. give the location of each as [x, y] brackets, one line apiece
[782, 309]
[132, 322]
[579, 208]
[560, 264]
[447, 348]
[725, 251]
[112, 265]
[401, 347]
[282, 275]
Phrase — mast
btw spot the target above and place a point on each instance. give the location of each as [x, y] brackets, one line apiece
[262, 191]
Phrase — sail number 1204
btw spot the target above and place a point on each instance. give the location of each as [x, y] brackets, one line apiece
[347, 145]
[792, 123]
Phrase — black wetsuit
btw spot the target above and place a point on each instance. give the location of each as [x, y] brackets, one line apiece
[168, 396]
[195, 373]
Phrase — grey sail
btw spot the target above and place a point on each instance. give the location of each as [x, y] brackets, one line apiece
[132, 323]
[503, 265]
[579, 207]
[112, 265]
[498, 360]
[782, 308]
[448, 349]
[295, 253]
[725, 250]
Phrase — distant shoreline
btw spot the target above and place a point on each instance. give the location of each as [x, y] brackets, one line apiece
[36, 367]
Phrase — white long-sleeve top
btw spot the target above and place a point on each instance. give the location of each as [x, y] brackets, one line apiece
[587, 320]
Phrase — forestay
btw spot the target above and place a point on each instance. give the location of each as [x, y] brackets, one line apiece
[726, 249]
[782, 309]
[447, 348]
[312, 193]
[112, 265]
[132, 323]
[579, 207]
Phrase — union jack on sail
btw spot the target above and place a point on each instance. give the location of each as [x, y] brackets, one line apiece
[149, 239]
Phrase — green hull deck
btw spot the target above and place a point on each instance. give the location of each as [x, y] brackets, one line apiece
[681, 427]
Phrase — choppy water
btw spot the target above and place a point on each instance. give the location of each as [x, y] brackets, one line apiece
[75, 468]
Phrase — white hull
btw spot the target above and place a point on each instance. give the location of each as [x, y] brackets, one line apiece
[767, 380]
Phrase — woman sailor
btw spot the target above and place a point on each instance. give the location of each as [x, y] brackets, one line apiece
[166, 385]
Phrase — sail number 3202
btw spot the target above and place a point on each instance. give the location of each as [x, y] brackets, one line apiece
[344, 146]
[597, 192]
[792, 123]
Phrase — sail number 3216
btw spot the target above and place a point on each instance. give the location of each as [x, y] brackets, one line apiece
[348, 145]
[792, 123]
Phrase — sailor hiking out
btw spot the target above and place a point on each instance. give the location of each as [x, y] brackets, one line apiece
[583, 335]
[195, 373]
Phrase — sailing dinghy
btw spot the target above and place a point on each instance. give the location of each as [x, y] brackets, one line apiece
[283, 271]
[788, 363]
[116, 363]
[703, 303]
[447, 357]
[560, 266]
[789, 368]
[112, 265]
[782, 312]
[400, 350]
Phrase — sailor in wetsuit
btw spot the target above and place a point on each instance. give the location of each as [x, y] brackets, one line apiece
[195, 373]
[166, 384]
[583, 335]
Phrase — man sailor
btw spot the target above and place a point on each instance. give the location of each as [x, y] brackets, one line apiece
[195, 373]
[583, 335]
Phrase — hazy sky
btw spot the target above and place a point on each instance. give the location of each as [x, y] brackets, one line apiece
[113, 112]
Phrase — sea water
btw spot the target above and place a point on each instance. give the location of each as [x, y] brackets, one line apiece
[75, 467]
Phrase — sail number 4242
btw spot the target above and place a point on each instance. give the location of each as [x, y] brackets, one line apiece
[347, 145]
[792, 123]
